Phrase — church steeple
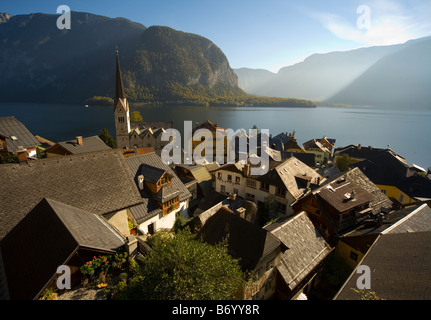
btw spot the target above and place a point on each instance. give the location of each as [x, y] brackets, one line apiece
[119, 87]
[121, 113]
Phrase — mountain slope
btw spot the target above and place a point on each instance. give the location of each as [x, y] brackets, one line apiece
[250, 80]
[318, 76]
[351, 77]
[399, 80]
[40, 63]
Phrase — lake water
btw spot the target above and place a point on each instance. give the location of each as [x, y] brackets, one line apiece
[406, 132]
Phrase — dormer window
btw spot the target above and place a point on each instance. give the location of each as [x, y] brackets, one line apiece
[165, 180]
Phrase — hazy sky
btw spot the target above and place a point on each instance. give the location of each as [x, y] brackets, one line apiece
[267, 34]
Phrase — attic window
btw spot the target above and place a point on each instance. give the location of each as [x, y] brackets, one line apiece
[14, 138]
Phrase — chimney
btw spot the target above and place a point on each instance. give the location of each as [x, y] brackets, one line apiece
[246, 170]
[79, 140]
[141, 182]
[132, 245]
[22, 154]
[240, 212]
[359, 147]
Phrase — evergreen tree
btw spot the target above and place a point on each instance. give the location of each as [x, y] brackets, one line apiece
[107, 138]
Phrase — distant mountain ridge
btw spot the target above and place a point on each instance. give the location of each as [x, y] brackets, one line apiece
[388, 76]
[40, 63]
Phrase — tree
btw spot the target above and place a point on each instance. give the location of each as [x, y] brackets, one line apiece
[8, 158]
[343, 163]
[135, 116]
[107, 138]
[266, 212]
[181, 267]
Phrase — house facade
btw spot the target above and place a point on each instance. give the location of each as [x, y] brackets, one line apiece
[284, 183]
[321, 152]
[163, 194]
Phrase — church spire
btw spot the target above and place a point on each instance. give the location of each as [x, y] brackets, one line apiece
[119, 88]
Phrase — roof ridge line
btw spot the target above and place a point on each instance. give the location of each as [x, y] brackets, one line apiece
[404, 219]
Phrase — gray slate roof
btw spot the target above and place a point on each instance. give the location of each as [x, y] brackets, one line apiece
[417, 220]
[306, 248]
[201, 174]
[98, 182]
[146, 210]
[246, 242]
[360, 179]
[10, 126]
[89, 144]
[45, 239]
[400, 266]
[151, 173]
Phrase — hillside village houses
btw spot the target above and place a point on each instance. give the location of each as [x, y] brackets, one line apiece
[87, 199]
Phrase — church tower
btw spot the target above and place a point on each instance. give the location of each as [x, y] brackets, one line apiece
[122, 116]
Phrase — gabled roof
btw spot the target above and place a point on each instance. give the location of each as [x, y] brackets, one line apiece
[306, 248]
[313, 143]
[152, 174]
[16, 134]
[283, 142]
[200, 173]
[46, 238]
[44, 142]
[307, 158]
[412, 219]
[146, 125]
[356, 176]
[383, 169]
[343, 196]
[418, 219]
[208, 125]
[288, 172]
[399, 264]
[246, 242]
[89, 144]
[146, 210]
[360, 152]
[389, 169]
[99, 182]
[135, 163]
